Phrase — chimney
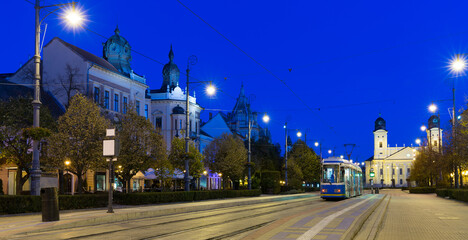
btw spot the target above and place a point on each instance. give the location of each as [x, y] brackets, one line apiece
[211, 116]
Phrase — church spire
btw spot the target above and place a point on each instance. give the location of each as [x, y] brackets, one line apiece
[171, 55]
[117, 31]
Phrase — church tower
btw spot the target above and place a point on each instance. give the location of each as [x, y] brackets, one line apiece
[434, 133]
[117, 51]
[380, 139]
[171, 74]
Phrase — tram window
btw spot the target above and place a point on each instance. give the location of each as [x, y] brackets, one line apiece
[330, 174]
[342, 175]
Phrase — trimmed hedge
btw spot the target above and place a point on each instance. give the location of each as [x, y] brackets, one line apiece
[458, 194]
[270, 182]
[422, 190]
[11, 204]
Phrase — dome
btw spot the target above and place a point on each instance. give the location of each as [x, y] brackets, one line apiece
[178, 110]
[434, 122]
[117, 51]
[170, 73]
[380, 124]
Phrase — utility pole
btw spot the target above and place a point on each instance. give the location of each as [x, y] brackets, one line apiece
[286, 154]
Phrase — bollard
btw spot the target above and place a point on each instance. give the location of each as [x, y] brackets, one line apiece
[377, 191]
[50, 207]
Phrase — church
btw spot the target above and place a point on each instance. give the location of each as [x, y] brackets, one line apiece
[392, 165]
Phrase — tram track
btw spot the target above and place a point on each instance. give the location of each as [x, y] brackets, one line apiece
[275, 207]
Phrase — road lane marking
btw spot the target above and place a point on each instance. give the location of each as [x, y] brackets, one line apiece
[322, 224]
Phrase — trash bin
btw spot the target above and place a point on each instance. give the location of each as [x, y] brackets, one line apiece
[50, 207]
[377, 191]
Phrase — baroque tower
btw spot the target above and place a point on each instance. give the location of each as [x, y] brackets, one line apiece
[380, 138]
[117, 51]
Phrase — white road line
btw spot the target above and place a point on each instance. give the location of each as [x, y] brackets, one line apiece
[322, 224]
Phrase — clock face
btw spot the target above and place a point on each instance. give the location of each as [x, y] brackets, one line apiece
[435, 120]
[380, 123]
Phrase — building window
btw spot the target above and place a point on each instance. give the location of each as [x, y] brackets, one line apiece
[106, 99]
[196, 128]
[401, 181]
[96, 95]
[380, 144]
[125, 101]
[435, 143]
[393, 171]
[146, 111]
[138, 107]
[381, 171]
[190, 126]
[180, 124]
[158, 123]
[116, 102]
[401, 171]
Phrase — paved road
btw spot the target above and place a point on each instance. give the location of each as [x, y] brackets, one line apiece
[304, 217]
[423, 216]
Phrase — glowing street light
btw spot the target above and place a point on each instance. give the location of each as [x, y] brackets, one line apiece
[458, 64]
[210, 90]
[73, 17]
[316, 144]
[67, 163]
[266, 118]
[423, 128]
[433, 108]
[418, 141]
[330, 151]
[299, 134]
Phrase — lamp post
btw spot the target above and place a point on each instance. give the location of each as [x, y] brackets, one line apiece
[74, 18]
[266, 119]
[457, 66]
[192, 60]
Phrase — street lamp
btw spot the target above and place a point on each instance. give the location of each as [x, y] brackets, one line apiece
[432, 108]
[73, 20]
[418, 141]
[210, 90]
[329, 151]
[423, 128]
[299, 134]
[266, 119]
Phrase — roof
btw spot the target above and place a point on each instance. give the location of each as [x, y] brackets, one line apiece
[13, 90]
[88, 56]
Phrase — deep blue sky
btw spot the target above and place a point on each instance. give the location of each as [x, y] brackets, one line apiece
[391, 55]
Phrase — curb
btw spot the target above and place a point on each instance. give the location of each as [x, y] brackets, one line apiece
[357, 225]
[119, 217]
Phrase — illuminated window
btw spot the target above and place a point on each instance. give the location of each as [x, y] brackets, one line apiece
[380, 144]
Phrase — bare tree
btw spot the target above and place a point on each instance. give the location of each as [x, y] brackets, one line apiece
[68, 84]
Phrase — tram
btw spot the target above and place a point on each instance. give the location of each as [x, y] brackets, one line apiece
[340, 179]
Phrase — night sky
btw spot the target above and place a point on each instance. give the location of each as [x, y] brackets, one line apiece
[348, 61]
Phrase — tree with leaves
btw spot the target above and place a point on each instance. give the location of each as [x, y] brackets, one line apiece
[79, 136]
[177, 157]
[141, 147]
[227, 154]
[307, 160]
[17, 133]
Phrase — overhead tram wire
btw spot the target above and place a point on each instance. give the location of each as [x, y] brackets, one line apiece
[261, 65]
[137, 52]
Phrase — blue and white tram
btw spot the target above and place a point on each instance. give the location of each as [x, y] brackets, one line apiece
[340, 179]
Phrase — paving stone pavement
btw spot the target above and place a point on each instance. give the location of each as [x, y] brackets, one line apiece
[423, 216]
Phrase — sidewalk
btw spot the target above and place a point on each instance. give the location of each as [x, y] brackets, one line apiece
[28, 222]
[420, 216]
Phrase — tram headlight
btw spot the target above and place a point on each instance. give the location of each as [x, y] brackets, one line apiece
[338, 190]
[324, 190]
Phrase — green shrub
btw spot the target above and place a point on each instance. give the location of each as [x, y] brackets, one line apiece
[1, 187]
[442, 192]
[422, 190]
[10, 204]
[270, 182]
